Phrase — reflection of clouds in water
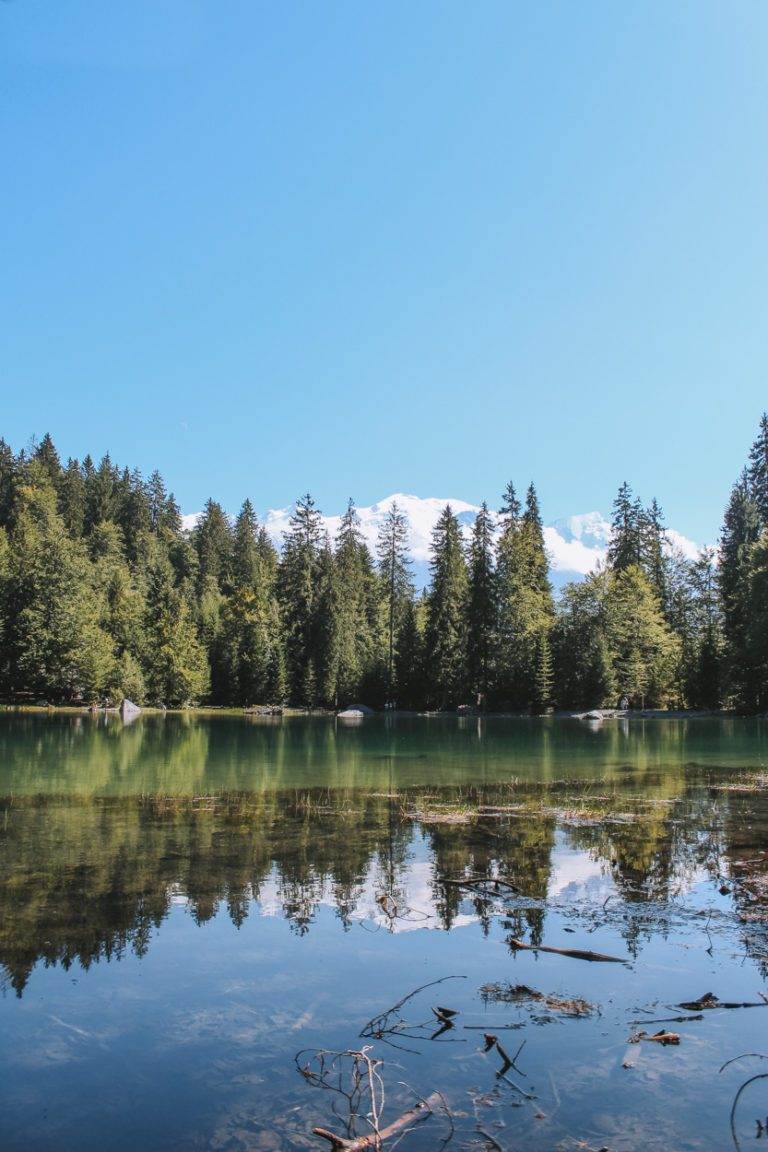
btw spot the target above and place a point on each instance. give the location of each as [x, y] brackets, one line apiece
[576, 874]
[414, 890]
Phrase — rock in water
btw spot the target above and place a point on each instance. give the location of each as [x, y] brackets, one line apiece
[129, 710]
[355, 711]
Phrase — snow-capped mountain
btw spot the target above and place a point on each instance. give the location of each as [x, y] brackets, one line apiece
[576, 544]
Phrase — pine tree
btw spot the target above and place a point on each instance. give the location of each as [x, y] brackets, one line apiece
[542, 697]
[71, 489]
[653, 540]
[246, 563]
[584, 673]
[212, 538]
[756, 653]
[446, 611]
[410, 675]
[176, 668]
[55, 644]
[395, 571]
[525, 606]
[626, 546]
[250, 666]
[757, 471]
[8, 476]
[706, 684]
[100, 492]
[48, 458]
[509, 513]
[298, 588]
[532, 530]
[741, 529]
[481, 607]
[355, 586]
[645, 651]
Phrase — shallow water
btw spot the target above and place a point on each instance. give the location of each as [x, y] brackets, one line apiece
[187, 903]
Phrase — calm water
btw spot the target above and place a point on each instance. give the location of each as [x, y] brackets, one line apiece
[186, 904]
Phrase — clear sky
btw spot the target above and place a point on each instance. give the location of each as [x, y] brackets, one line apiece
[359, 247]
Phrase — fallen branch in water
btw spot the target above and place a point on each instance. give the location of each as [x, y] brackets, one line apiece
[574, 953]
[476, 881]
[391, 1023]
[709, 1001]
[413, 1115]
[660, 1037]
[670, 1019]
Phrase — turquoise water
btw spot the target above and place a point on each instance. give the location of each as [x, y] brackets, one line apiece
[185, 903]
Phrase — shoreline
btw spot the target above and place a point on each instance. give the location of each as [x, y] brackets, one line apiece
[592, 717]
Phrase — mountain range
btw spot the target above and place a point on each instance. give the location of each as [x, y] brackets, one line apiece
[575, 544]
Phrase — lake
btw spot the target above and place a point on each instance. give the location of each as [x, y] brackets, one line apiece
[193, 908]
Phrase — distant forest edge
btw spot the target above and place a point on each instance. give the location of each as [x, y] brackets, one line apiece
[104, 595]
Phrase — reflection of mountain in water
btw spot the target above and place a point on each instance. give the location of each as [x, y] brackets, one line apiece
[85, 878]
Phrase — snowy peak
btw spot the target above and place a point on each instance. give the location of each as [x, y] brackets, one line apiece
[575, 544]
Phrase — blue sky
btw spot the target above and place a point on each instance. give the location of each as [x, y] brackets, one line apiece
[362, 248]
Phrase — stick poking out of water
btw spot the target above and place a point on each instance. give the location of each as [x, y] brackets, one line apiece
[574, 953]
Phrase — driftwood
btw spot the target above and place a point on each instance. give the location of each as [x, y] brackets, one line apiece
[476, 881]
[574, 953]
[414, 1115]
[660, 1037]
[709, 1001]
[670, 1019]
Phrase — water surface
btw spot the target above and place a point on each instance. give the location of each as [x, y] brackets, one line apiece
[185, 903]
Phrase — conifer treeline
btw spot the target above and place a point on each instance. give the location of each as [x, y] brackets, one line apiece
[103, 594]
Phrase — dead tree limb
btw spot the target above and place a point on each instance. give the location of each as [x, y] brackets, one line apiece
[574, 953]
[413, 1115]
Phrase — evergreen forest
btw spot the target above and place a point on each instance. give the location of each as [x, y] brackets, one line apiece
[104, 595]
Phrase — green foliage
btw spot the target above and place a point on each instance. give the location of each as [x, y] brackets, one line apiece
[446, 631]
[525, 607]
[645, 652]
[397, 587]
[177, 671]
[481, 608]
[102, 592]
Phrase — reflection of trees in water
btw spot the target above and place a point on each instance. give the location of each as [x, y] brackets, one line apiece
[85, 878]
[745, 863]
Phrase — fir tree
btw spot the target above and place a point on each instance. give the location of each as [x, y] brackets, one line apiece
[446, 611]
[525, 607]
[756, 653]
[48, 458]
[410, 672]
[395, 570]
[481, 607]
[355, 588]
[55, 644]
[298, 588]
[212, 538]
[71, 489]
[741, 529]
[176, 668]
[645, 651]
[626, 531]
[542, 697]
[653, 539]
[757, 472]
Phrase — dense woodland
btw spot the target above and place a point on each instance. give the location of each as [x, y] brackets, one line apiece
[104, 595]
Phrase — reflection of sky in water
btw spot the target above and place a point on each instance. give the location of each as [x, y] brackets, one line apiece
[176, 946]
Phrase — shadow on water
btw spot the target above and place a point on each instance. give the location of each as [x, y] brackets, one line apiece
[187, 902]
